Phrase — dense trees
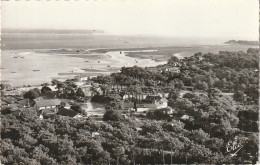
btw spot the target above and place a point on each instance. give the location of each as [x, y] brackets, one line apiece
[80, 93]
[204, 120]
[45, 89]
[158, 114]
[67, 90]
[173, 60]
[32, 94]
[112, 115]
[248, 119]
[64, 140]
[239, 96]
[227, 71]
[77, 108]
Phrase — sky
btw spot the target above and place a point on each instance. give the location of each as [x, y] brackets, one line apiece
[237, 19]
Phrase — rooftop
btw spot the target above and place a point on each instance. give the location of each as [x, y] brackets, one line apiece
[46, 102]
[153, 98]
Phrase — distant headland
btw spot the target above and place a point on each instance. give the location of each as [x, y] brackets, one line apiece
[242, 42]
[52, 31]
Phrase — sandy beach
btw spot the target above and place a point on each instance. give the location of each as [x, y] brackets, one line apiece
[31, 67]
[36, 66]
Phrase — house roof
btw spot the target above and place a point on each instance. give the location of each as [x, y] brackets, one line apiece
[164, 100]
[18, 98]
[153, 98]
[49, 111]
[8, 100]
[2, 102]
[146, 105]
[24, 102]
[128, 105]
[12, 93]
[13, 107]
[78, 116]
[138, 105]
[165, 109]
[185, 117]
[46, 102]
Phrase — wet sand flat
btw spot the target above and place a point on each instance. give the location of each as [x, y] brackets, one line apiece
[23, 67]
[33, 67]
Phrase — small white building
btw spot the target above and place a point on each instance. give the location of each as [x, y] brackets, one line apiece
[149, 103]
[172, 69]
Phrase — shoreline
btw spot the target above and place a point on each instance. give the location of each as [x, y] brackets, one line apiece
[55, 65]
[88, 61]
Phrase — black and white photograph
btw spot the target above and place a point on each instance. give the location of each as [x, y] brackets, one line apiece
[129, 82]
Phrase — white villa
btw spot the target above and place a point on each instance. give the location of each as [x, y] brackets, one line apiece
[149, 103]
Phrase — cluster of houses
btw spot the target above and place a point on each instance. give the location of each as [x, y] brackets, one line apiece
[150, 103]
[175, 68]
[45, 108]
[48, 107]
[13, 101]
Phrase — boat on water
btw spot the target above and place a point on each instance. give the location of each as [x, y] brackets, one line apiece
[36, 70]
